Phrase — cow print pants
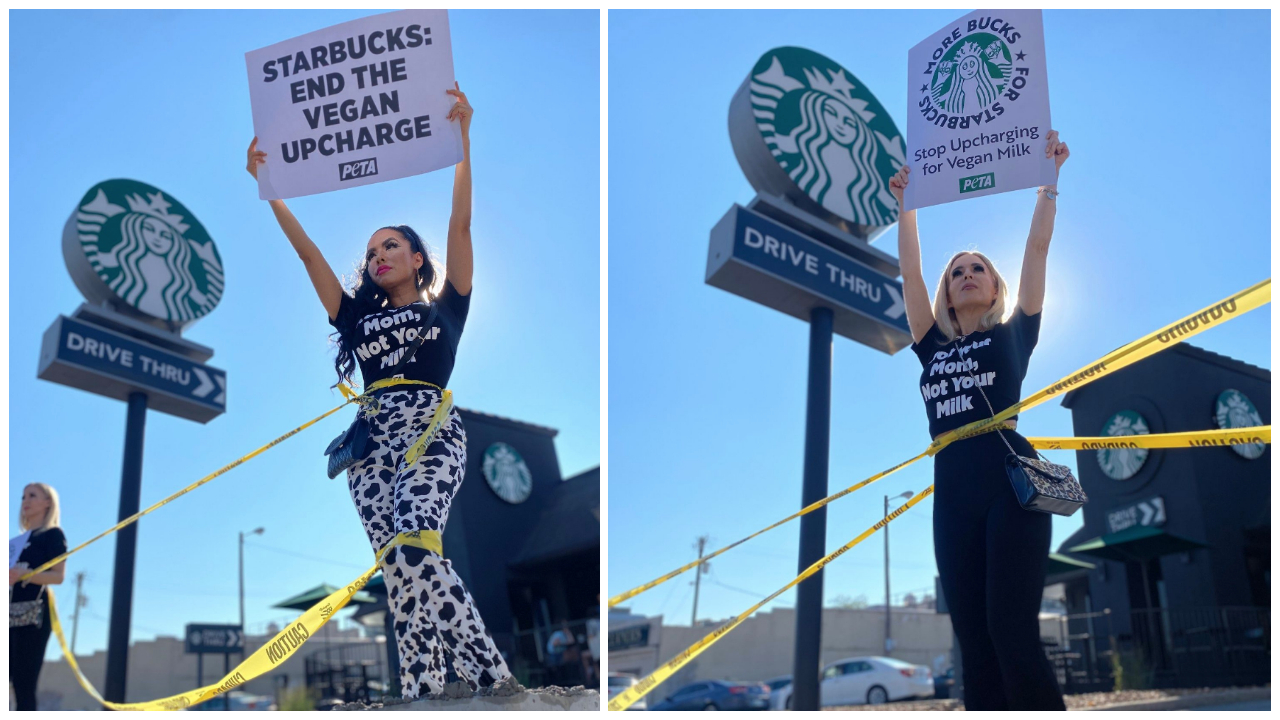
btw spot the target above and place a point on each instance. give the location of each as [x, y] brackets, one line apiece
[436, 622]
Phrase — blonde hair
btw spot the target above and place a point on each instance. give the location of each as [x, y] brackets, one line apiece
[52, 517]
[945, 315]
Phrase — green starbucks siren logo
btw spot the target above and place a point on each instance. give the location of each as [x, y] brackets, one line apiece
[1234, 410]
[828, 135]
[507, 474]
[1123, 463]
[132, 244]
[972, 74]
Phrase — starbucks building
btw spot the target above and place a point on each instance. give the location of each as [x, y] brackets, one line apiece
[525, 541]
[1174, 559]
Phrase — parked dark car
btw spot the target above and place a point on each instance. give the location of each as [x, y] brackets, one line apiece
[944, 685]
[717, 695]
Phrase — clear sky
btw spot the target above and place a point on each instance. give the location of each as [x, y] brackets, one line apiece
[1164, 209]
[163, 97]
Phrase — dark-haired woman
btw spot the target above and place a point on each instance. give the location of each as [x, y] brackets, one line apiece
[436, 622]
[991, 552]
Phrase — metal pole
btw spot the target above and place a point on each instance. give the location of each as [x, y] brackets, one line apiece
[813, 527]
[242, 588]
[126, 550]
[697, 580]
[887, 601]
[75, 617]
[226, 670]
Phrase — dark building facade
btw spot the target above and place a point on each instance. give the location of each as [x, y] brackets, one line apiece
[1175, 598]
[524, 540]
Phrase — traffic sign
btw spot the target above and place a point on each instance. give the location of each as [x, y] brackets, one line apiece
[760, 259]
[90, 357]
[214, 639]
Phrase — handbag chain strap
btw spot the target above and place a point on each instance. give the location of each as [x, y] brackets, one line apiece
[372, 407]
[985, 399]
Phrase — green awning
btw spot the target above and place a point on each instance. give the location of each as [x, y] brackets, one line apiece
[1136, 544]
[318, 593]
[1059, 563]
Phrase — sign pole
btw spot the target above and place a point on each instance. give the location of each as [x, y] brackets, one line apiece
[813, 527]
[126, 550]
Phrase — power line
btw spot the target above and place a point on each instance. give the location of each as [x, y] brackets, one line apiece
[327, 561]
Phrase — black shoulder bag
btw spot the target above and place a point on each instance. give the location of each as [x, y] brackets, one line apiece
[1039, 484]
[354, 444]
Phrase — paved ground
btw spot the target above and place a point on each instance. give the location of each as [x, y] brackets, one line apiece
[1264, 705]
[1173, 699]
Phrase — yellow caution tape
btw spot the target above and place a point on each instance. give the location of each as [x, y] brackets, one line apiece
[271, 654]
[1141, 349]
[1194, 324]
[626, 698]
[346, 392]
[1199, 438]
[437, 420]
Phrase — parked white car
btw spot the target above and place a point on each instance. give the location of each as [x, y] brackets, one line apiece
[866, 680]
[623, 681]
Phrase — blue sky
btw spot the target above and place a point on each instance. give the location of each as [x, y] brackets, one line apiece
[1164, 210]
[162, 97]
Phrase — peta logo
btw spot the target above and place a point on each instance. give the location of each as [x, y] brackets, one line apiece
[978, 182]
[357, 169]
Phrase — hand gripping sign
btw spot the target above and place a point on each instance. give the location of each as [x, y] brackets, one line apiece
[978, 109]
[354, 104]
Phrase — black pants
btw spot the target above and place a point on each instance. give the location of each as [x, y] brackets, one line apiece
[991, 563]
[26, 656]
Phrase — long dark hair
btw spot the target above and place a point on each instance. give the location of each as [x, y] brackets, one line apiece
[367, 298]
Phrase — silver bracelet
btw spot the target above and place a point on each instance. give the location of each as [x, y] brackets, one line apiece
[1051, 194]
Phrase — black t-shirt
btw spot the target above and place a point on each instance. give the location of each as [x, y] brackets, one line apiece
[42, 546]
[380, 339]
[997, 358]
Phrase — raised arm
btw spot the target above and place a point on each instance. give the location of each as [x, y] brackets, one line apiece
[1035, 259]
[458, 260]
[914, 292]
[323, 279]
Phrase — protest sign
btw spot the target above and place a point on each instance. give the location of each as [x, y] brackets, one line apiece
[354, 104]
[978, 109]
[16, 546]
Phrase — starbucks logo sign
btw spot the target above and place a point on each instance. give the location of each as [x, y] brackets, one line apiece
[972, 74]
[820, 139]
[1234, 410]
[507, 473]
[1123, 463]
[133, 245]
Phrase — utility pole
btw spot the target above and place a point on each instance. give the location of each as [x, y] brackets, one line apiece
[888, 618]
[697, 579]
[75, 617]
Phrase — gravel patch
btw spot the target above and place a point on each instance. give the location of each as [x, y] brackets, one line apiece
[459, 690]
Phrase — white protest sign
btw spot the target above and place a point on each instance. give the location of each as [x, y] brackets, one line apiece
[354, 104]
[16, 546]
[978, 109]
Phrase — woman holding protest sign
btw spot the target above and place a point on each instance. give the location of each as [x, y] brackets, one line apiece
[386, 326]
[991, 551]
[29, 626]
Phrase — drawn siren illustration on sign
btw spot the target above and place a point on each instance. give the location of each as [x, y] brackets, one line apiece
[135, 247]
[806, 129]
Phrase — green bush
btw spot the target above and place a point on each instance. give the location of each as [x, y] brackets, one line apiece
[299, 698]
[1129, 668]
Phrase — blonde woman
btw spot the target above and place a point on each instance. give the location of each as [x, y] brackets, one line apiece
[42, 540]
[991, 552]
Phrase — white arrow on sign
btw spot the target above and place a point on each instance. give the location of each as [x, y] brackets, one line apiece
[195, 637]
[221, 398]
[234, 639]
[206, 385]
[897, 308]
[1159, 503]
[1148, 512]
